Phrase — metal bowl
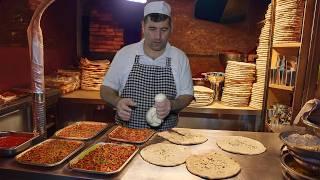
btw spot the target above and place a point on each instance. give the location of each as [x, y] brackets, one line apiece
[307, 163]
[293, 169]
[312, 127]
[301, 151]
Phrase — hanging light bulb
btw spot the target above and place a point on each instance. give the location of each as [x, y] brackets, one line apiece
[138, 1]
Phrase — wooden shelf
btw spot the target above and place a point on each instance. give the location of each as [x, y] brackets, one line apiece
[217, 107]
[287, 45]
[281, 87]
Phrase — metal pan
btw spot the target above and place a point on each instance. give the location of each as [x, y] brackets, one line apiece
[312, 126]
[87, 151]
[81, 144]
[57, 134]
[302, 151]
[127, 140]
[309, 164]
[17, 149]
[293, 169]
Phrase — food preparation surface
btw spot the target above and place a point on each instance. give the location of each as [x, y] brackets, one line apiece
[263, 166]
[214, 108]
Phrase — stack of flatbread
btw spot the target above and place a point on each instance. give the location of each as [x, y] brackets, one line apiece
[261, 62]
[257, 95]
[288, 21]
[65, 80]
[182, 136]
[93, 73]
[241, 145]
[239, 77]
[212, 166]
[203, 96]
[163, 154]
[7, 96]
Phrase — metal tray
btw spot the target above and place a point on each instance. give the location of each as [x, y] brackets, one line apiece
[312, 126]
[291, 167]
[300, 151]
[128, 141]
[79, 123]
[308, 163]
[54, 164]
[93, 147]
[17, 149]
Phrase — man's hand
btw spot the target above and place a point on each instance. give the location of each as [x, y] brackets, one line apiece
[124, 106]
[163, 108]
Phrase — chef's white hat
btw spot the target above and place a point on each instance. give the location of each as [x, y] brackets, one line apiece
[160, 7]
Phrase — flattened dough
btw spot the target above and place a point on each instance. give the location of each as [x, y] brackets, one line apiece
[188, 138]
[163, 154]
[212, 166]
[241, 145]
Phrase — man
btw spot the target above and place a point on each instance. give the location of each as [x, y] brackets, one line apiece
[142, 70]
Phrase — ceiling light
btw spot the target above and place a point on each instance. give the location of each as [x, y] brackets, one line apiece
[138, 1]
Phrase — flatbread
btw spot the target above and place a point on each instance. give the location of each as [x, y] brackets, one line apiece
[188, 138]
[163, 154]
[241, 145]
[212, 166]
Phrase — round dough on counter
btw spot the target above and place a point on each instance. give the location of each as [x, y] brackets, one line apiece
[163, 154]
[183, 137]
[212, 166]
[241, 145]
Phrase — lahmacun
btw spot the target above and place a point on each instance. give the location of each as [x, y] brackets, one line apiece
[130, 135]
[50, 152]
[82, 130]
[104, 158]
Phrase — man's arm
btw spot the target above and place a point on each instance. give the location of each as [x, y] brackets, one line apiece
[181, 102]
[123, 105]
[109, 95]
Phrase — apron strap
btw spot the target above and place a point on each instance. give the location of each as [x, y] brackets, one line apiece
[136, 59]
[168, 62]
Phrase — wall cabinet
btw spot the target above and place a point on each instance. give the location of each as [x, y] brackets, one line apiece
[289, 61]
[282, 73]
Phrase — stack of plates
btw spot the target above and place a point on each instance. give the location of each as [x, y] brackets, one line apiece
[261, 63]
[238, 83]
[93, 73]
[288, 21]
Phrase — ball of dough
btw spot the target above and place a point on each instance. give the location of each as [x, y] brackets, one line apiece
[152, 118]
[160, 97]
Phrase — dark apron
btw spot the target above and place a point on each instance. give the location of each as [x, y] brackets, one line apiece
[143, 84]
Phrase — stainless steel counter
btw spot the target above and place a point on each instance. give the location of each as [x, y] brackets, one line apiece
[263, 166]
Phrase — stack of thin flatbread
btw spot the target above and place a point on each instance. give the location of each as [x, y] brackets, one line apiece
[203, 96]
[182, 136]
[7, 96]
[263, 50]
[65, 80]
[163, 154]
[212, 166]
[239, 77]
[93, 73]
[288, 21]
[241, 145]
[257, 95]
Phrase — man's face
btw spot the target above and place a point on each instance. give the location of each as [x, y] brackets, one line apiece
[156, 34]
